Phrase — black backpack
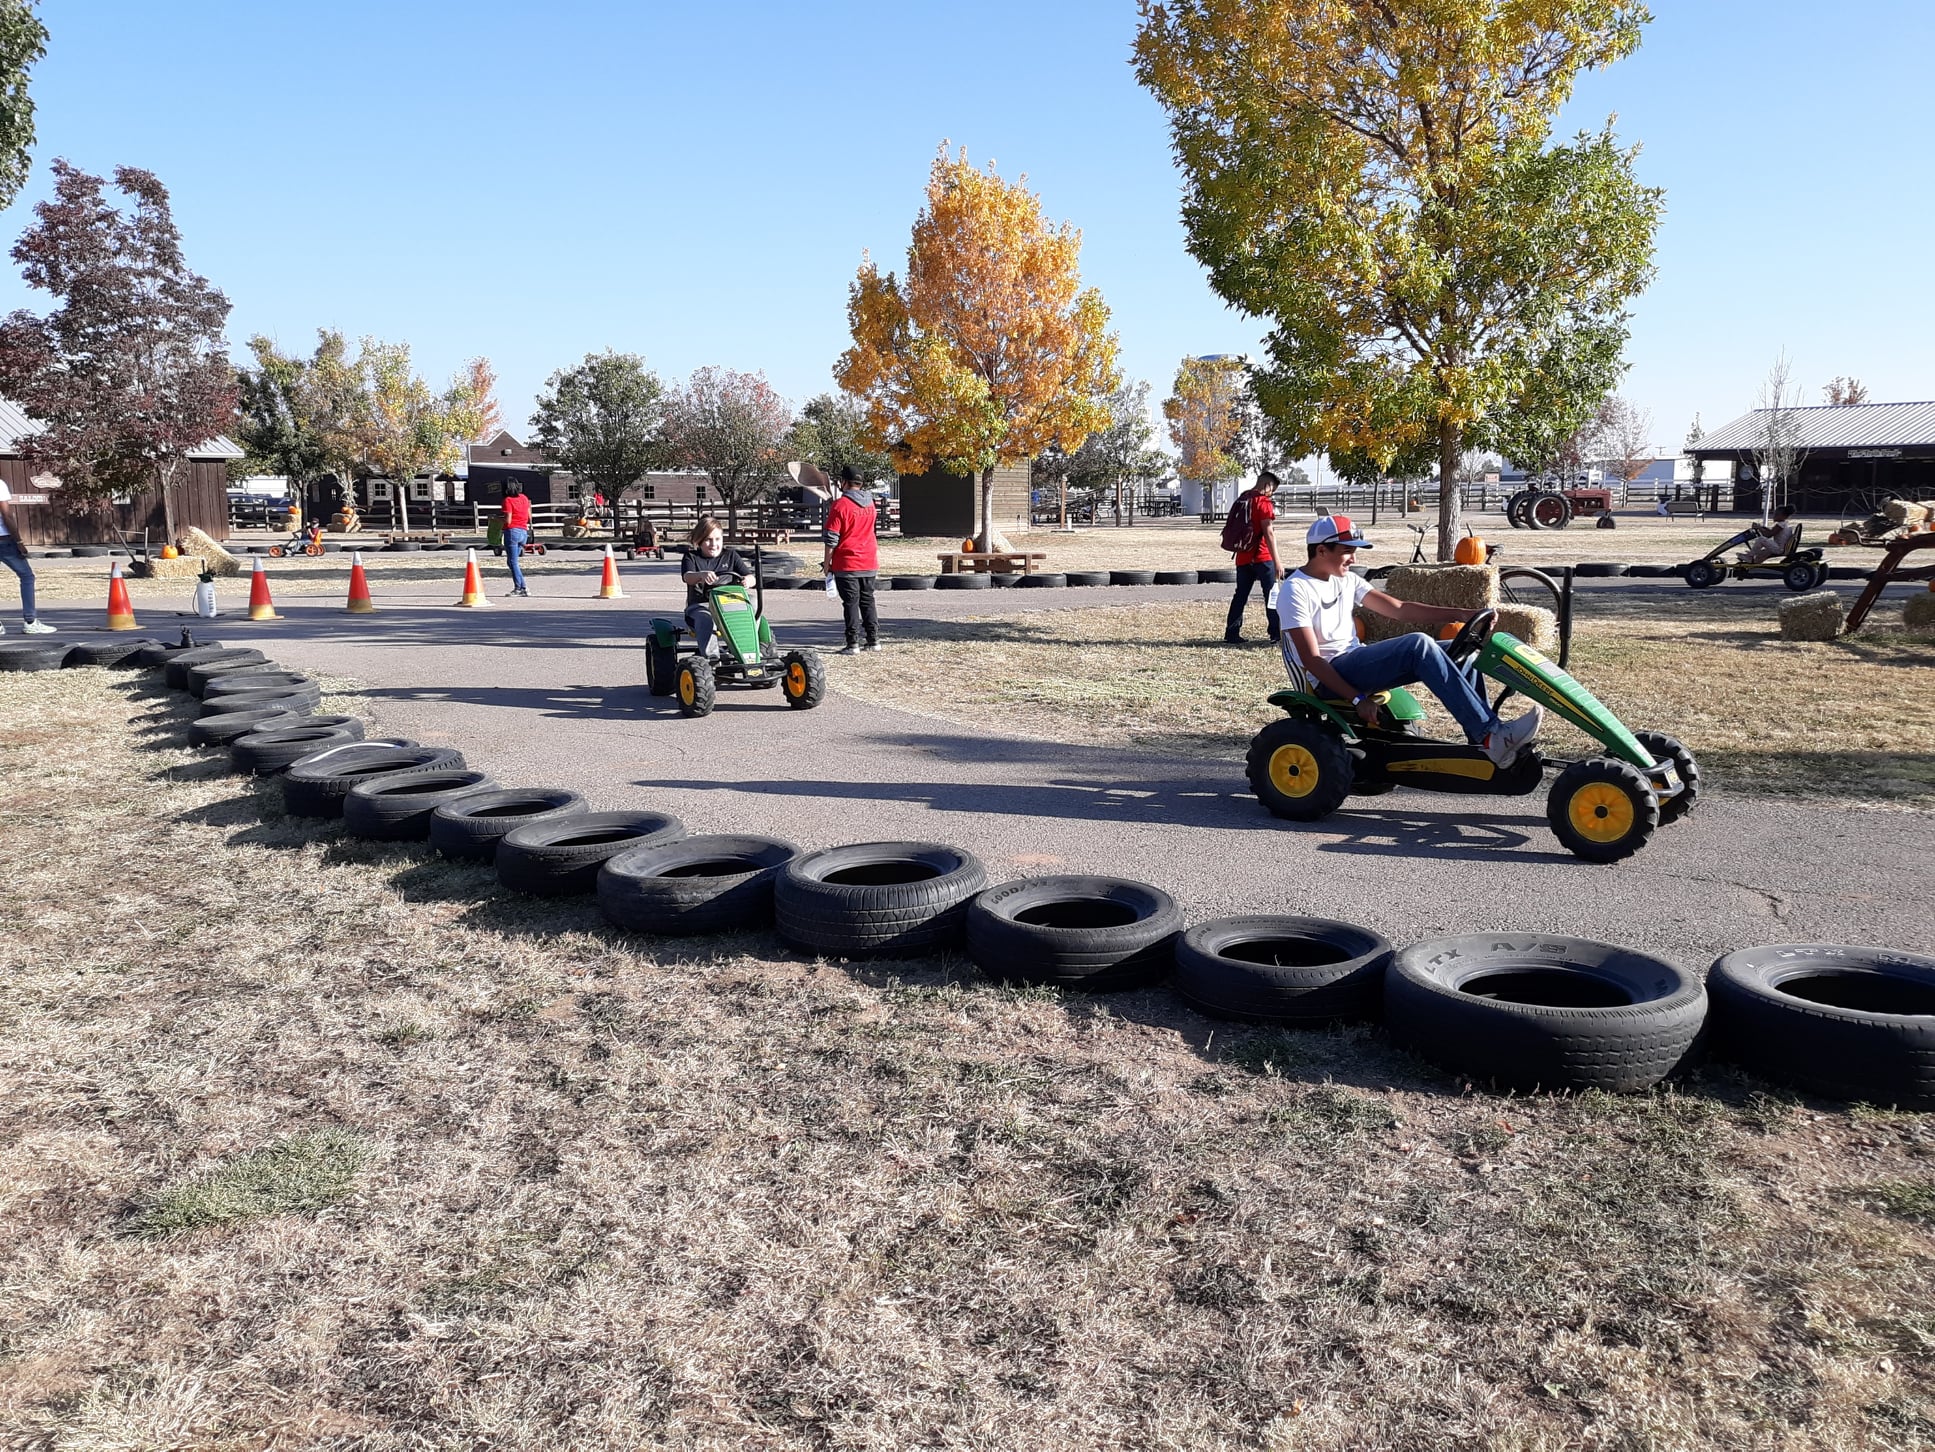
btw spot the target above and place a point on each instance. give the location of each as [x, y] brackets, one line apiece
[1239, 532]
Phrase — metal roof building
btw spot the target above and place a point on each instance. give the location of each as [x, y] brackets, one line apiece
[1852, 456]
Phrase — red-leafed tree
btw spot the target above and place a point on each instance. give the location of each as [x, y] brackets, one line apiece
[730, 425]
[130, 373]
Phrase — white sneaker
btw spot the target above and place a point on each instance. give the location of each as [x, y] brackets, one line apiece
[1505, 741]
[37, 627]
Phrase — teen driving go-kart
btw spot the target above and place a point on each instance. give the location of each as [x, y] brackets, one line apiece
[1766, 550]
[1349, 727]
[724, 639]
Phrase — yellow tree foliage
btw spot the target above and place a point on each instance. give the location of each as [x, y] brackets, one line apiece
[1203, 418]
[475, 392]
[991, 350]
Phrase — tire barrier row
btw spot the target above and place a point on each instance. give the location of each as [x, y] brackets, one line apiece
[1519, 1012]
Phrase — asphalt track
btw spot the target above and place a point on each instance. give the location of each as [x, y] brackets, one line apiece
[549, 692]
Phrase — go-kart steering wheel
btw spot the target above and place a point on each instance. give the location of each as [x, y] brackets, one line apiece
[1472, 635]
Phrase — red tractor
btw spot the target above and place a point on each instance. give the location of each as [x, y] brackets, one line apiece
[1550, 503]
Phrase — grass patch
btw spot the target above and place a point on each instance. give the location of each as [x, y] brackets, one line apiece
[1904, 1199]
[295, 1176]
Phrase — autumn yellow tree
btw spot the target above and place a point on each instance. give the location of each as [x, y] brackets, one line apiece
[991, 350]
[1203, 418]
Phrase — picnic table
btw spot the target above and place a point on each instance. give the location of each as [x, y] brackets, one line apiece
[958, 562]
[419, 536]
[761, 536]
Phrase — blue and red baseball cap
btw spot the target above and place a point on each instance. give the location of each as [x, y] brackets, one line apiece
[1338, 530]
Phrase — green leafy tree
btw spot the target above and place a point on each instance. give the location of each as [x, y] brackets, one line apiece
[603, 420]
[1377, 181]
[829, 434]
[1119, 453]
[293, 414]
[23, 40]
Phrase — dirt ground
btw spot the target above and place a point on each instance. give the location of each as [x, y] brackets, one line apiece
[315, 1143]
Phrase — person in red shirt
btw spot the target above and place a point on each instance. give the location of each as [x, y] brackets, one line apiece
[517, 531]
[1258, 563]
[852, 559]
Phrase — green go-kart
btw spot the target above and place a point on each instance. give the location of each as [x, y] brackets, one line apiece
[1602, 808]
[748, 656]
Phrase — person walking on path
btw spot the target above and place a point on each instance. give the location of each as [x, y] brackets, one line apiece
[852, 560]
[707, 562]
[14, 556]
[517, 532]
[1258, 561]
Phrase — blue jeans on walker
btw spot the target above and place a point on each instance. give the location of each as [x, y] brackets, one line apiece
[513, 550]
[1418, 660]
[15, 559]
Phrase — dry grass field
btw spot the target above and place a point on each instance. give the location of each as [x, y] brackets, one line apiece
[317, 1144]
[1848, 719]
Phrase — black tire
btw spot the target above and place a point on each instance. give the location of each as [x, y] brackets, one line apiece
[1177, 577]
[34, 655]
[175, 672]
[963, 582]
[1702, 574]
[274, 680]
[1798, 577]
[300, 699]
[1282, 969]
[1513, 505]
[1549, 511]
[562, 858]
[1097, 934]
[697, 688]
[1040, 581]
[468, 830]
[910, 582]
[89, 552]
[661, 668]
[1848, 1022]
[1605, 521]
[268, 752]
[780, 562]
[200, 676]
[1602, 809]
[1004, 579]
[316, 785]
[877, 899]
[220, 729]
[1221, 575]
[118, 653]
[153, 657]
[804, 680]
[781, 582]
[1599, 569]
[1299, 770]
[1653, 572]
[718, 884]
[396, 806]
[1544, 1012]
[1662, 747]
[1821, 573]
[1088, 578]
[1132, 577]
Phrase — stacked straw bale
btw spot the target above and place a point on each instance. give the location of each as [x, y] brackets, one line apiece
[194, 543]
[1919, 612]
[1816, 616]
[1461, 587]
[1901, 512]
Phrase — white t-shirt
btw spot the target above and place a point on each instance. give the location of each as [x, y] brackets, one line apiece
[5, 495]
[1323, 606]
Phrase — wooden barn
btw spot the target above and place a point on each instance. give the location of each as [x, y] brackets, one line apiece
[945, 506]
[43, 517]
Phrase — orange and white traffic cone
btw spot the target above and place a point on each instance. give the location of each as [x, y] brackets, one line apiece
[261, 607]
[120, 607]
[359, 587]
[474, 595]
[608, 587]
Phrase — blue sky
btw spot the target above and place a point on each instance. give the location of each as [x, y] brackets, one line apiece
[696, 182]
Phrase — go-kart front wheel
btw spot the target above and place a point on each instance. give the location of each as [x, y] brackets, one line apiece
[1703, 573]
[803, 681]
[1662, 747]
[1299, 770]
[1602, 809]
[697, 686]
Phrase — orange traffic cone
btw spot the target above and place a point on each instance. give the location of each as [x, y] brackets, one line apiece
[473, 582]
[608, 587]
[261, 607]
[359, 587]
[120, 607]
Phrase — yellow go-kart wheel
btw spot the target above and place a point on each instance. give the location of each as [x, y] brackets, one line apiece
[1299, 770]
[1602, 809]
[696, 686]
[802, 680]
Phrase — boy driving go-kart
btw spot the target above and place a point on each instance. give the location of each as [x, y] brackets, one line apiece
[1323, 655]
[708, 562]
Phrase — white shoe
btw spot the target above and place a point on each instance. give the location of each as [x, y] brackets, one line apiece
[1505, 741]
[37, 627]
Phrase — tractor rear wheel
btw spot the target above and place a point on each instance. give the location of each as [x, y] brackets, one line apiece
[1549, 511]
[1515, 509]
[1299, 770]
[1602, 809]
[804, 680]
[697, 686]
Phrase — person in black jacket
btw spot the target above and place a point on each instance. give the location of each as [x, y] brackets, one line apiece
[707, 562]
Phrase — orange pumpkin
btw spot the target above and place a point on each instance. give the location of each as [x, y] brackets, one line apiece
[967, 546]
[169, 552]
[1470, 551]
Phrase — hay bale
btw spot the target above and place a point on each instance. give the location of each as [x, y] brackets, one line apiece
[218, 560]
[1919, 612]
[1901, 512]
[1816, 616]
[1462, 587]
[1537, 627]
[186, 567]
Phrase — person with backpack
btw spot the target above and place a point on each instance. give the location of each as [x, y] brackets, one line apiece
[1250, 533]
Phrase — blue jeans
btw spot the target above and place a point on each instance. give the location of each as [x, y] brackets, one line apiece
[1418, 660]
[15, 559]
[513, 548]
[699, 617]
[1264, 573]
